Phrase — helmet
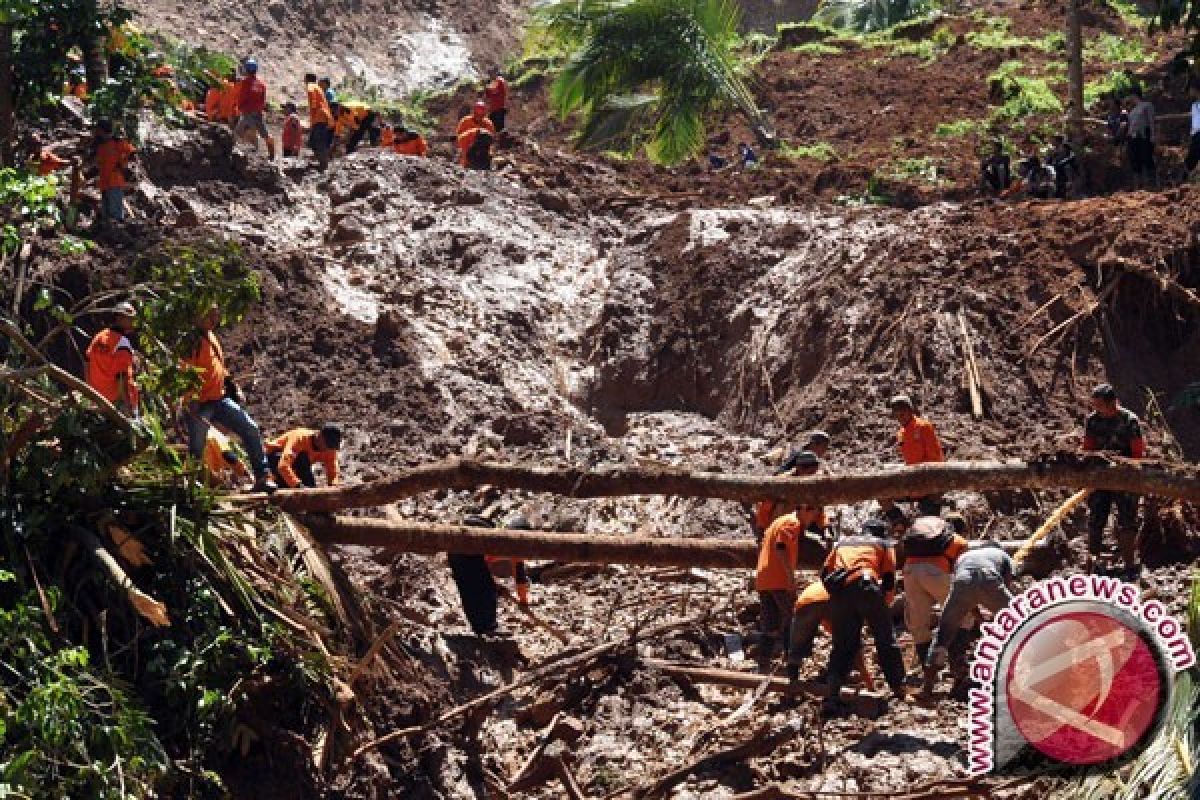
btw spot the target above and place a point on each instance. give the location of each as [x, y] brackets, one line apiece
[251, 66]
[480, 105]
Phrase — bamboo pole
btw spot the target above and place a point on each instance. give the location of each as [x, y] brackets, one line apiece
[1062, 470]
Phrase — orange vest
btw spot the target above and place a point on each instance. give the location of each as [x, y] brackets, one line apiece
[110, 368]
[919, 443]
[209, 359]
[781, 548]
[292, 444]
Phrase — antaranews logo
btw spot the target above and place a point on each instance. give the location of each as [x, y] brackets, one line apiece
[1076, 672]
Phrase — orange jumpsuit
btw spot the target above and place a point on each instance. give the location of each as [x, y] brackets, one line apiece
[110, 368]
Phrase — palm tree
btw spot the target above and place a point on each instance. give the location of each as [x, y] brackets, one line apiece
[648, 65]
[866, 16]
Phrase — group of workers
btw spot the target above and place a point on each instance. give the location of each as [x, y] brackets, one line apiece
[926, 552]
[213, 411]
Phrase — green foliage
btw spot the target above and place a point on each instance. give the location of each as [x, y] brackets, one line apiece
[26, 204]
[1111, 49]
[411, 110]
[866, 16]
[196, 68]
[924, 169]
[816, 49]
[1117, 83]
[180, 283]
[65, 725]
[810, 31]
[817, 151]
[997, 35]
[1022, 96]
[1130, 11]
[658, 65]
[876, 194]
[960, 128]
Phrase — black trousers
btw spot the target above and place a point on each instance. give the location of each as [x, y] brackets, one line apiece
[301, 465]
[498, 118]
[862, 601]
[1193, 153]
[477, 589]
[1100, 505]
[1141, 155]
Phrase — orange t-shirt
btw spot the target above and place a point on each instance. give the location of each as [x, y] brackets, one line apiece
[412, 147]
[229, 101]
[292, 444]
[209, 358]
[781, 549]
[112, 155]
[318, 106]
[212, 103]
[861, 554]
[919, 443]
[110, 367]
[293, 136]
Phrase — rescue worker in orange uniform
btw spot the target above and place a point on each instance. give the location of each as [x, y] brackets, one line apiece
[320, 121]
[495, 94]
[110, 361]
[410, 143]
[217, 401]
[469, 127]
[918, 443]
[775, 577]
[292, 456]
[812, 613]
[860, 576]
[221, 459]
[508, 567]
[252, 104]
[227, 108]
[799, 464]
[387, 135]
[293, 132]
[112, 154]
[928, 552]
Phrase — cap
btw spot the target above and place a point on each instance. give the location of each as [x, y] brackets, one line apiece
[125, 308]
[901, 401]
[819, 437]
[251, 66]
[797, 459]
[1105, 391]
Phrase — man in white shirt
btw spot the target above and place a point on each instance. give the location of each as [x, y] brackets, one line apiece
[1141, 140]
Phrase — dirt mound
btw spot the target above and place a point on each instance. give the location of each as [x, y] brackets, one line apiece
[397, 47]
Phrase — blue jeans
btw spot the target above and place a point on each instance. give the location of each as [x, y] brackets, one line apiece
[112, 203]
[230, 415]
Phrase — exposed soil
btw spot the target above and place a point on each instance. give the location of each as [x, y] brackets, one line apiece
[575, 309]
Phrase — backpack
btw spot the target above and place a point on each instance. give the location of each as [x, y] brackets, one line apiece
[927, 536]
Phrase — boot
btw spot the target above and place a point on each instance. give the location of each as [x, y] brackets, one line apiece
[930, 675]
[270, 149]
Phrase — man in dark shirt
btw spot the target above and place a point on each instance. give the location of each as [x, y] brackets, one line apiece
[997, 170]
[1116, 430]
[1066, 167]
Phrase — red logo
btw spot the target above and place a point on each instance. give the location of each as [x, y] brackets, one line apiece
[1083, 688]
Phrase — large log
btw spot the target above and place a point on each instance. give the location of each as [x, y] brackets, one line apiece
[585, 548]
[570, 547]
[1063, 471]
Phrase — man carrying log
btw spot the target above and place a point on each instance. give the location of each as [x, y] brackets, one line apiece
[860, 576]
[1113, 429]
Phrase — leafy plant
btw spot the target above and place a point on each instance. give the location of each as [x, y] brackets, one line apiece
[997, 35]
[816, 49]
[26, 204]
[1117, 83]
[817, 151]
[1111, 49]
[960, 128]
[1021, 96]
[866, 16]
[656, 65]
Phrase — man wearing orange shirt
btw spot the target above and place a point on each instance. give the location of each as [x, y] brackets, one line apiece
[860, 576]
[110, 361]
[813, 613]
[228, 105]
[293, 133]
[410, 143]
[291, 456]
[252, 102]
[798, 464]
[469, 128]
[496, 96]
[775, 577]
[918, 443]
[320, 120]
[112, 155]
[214, 403]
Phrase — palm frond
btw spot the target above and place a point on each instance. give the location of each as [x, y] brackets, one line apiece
[867, 16]
[613, 125]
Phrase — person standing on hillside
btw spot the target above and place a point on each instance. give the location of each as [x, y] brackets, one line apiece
[468, 131]
[252, 103]
[320, 121]
[918, 443]
[997, 170]
[110, 361]
[476, 584]
[228, 107]
[1140, 147]
[293, 131]
[495, 94]
[860, 576]
[1110, 428]
[216, 401]
[112, 154]
[292, 456]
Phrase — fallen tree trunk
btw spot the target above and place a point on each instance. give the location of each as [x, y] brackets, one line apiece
[415, 537]
[1062, 471]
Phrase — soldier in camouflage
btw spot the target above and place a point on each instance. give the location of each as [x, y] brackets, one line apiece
[1113, 429]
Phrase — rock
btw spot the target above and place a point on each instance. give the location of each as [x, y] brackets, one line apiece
[339, 196]
[187, 219]
[277, 9]
[558, 202]
[468, 197]
[348, 230]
